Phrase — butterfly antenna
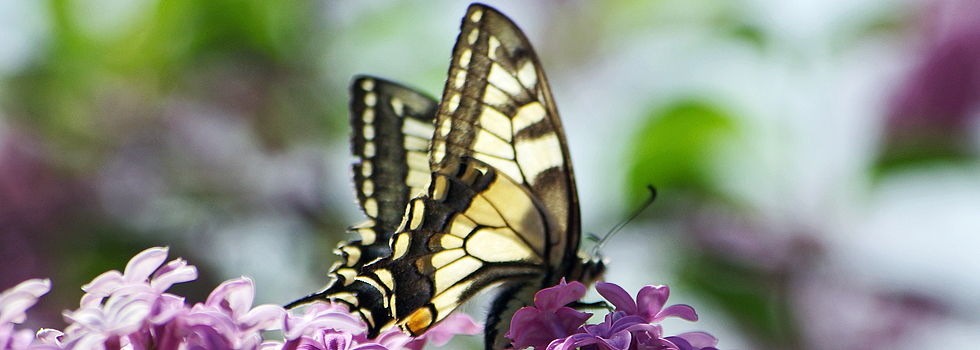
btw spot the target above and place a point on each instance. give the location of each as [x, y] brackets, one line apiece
[619, 226]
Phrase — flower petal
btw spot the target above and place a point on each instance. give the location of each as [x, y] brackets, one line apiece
[650, 300]
[526, 329]
[617, 296]
[619, 340]
[573, 341]
[456, 323]
[552, 298]
[50, 336]
[680, 310]
[13, 307]
[141, 266]
[699, 339]
[18, 340]
[396, 339]
[165, 308]
[104, 284]
[263, 316]
[271, 345]
[35, 286]
[570, 319]
[369, 347]
[175, 271]
[336, 340]
[234, 295]
[205, 337]
[320, 315]
[90, 318]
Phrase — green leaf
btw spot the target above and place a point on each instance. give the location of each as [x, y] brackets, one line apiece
[675, 149]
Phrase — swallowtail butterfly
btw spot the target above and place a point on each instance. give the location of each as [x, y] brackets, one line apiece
[494, 194]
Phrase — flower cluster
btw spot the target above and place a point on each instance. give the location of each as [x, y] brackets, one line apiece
[131, 310]
[332, 327]
[552, 325]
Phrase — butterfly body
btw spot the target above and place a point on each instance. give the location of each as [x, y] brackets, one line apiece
[471, 192]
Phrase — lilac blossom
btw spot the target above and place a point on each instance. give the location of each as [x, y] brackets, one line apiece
[551, 325]
[13, 306]
[549, 319]
[649, 304]
[327, 326]
[937, 106]
[132, 310]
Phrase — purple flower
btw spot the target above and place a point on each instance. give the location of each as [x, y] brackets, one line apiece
[452, 325]
[117, 306]
[132, 310]
[549, 318]
[225, 320]
[328, 340]
[321, 315]
[935, 109]
[632, 326]
[328, 326]
[614, 333]
[14, 303]
[649, 302]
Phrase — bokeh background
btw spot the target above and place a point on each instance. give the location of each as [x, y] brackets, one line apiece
[816, 161]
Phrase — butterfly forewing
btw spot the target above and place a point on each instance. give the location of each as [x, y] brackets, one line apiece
[497, 107]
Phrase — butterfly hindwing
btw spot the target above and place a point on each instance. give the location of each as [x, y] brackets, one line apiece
[392, 128]
[475, 228]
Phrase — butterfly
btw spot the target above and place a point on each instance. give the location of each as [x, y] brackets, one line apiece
[473, 191]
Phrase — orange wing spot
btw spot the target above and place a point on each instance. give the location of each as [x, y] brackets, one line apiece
[418, 322]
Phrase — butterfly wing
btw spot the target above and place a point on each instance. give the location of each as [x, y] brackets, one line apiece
[501, 206]
[392, 129]
[497, 107]
[476, 228]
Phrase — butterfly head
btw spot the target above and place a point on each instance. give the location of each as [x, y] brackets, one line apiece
[590, 270]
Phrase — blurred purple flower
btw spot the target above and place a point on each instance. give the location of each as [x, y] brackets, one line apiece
[942, 96]
[34, 199]
[131, 310]
[632, 326]
[452, 325]
[13, 306]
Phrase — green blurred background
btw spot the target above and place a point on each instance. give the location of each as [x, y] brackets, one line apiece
[816, 160]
